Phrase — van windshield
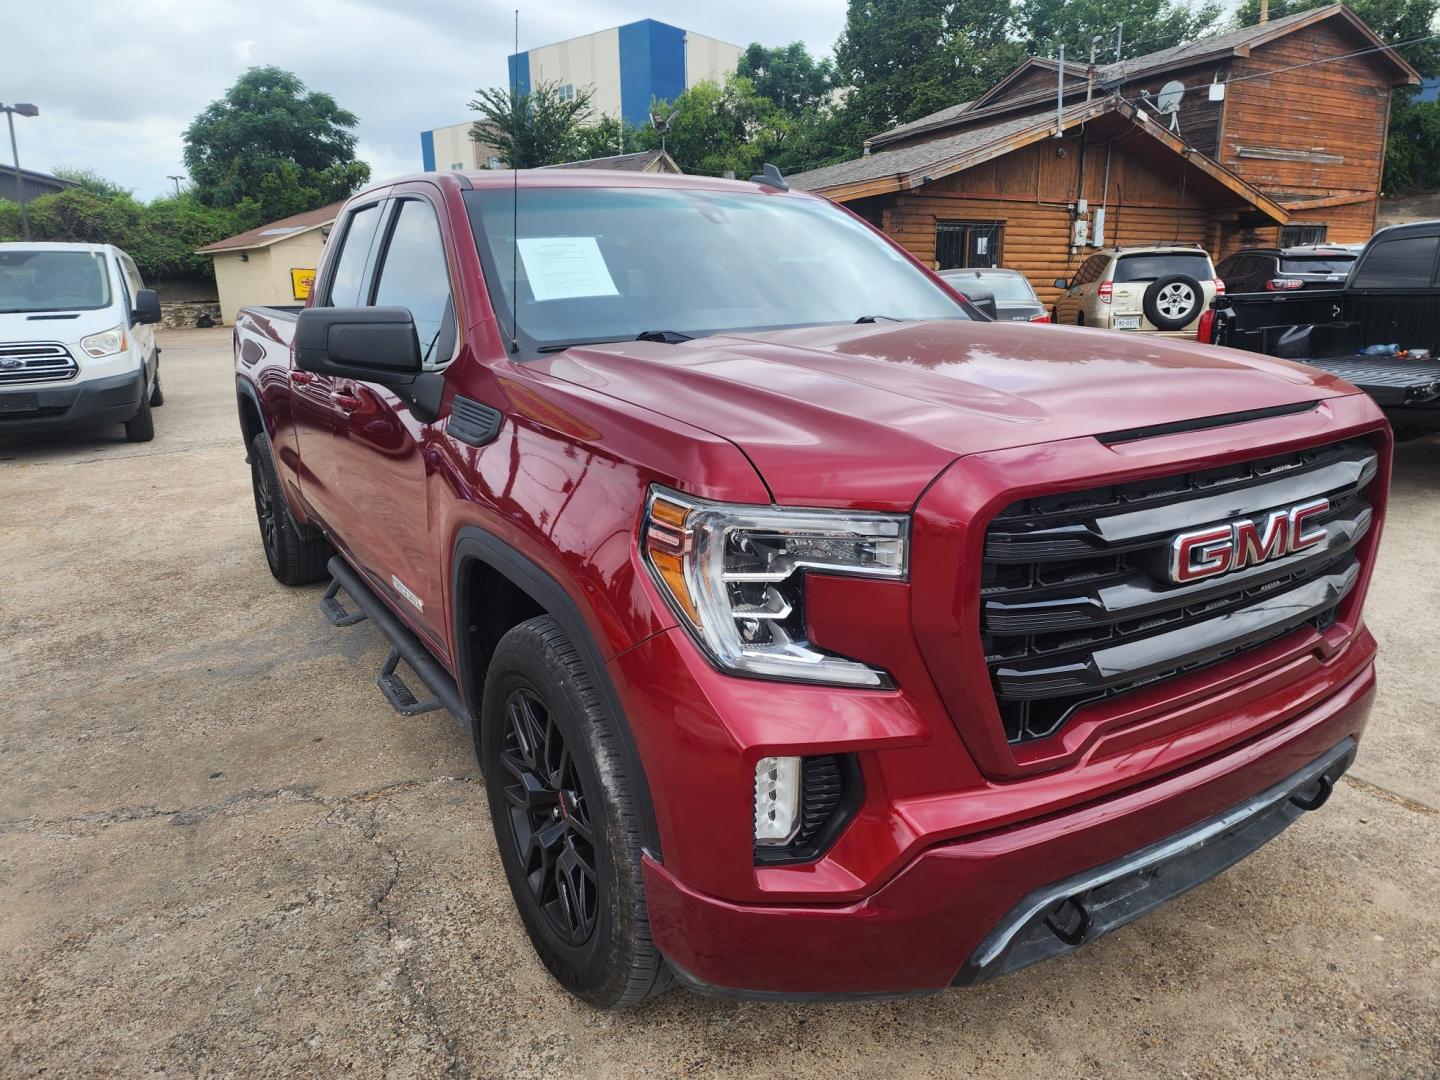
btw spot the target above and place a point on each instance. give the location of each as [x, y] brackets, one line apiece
[53, 281]
[607, 264]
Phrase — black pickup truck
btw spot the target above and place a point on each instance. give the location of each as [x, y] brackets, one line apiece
[1392, 297]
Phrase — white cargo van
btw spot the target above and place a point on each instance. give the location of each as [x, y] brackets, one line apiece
[77, 339]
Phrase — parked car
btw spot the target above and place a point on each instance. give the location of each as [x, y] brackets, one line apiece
[77, 341]
[1380, 330]
[1317, 266]
[1154, 290]
[1015, 299]
[815, 637]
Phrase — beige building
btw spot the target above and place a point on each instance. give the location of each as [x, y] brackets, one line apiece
[625, 68]
[271, 264]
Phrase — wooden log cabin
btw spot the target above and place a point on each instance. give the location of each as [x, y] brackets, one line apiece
[1270, 134]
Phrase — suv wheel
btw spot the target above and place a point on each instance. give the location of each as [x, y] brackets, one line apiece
[294, 559]
[564, 819]
[1174, 301]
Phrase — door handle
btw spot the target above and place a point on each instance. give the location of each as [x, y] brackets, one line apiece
[301, 378]
[348, 402]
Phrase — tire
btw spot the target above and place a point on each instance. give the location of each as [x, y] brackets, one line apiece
[1173, 302]
[157, 395]
[559, 795]
[141, 426]
[294, 559]
[1080, 318]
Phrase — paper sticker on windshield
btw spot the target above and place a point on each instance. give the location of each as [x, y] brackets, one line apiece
[564, 267]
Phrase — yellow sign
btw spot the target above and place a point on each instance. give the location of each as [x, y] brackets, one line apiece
[301, 282]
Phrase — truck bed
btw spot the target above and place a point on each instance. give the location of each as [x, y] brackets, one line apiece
[1388, 380]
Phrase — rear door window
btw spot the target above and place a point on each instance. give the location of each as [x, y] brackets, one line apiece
[1316, 264]
[349, 272]
[1405, 263]
[1153, 267]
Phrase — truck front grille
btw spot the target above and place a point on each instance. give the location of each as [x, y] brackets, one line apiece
[35, 362]
[1077, 603]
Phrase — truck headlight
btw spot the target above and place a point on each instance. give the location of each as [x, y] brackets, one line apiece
[105, 343]
[736, 577]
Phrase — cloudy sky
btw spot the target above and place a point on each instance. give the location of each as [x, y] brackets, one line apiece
[117, 83]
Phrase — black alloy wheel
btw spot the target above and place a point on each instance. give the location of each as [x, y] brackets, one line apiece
[265, 512]
[549, 816]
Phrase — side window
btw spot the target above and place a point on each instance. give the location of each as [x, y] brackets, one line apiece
[126, 289]
[415, 275]
[132, 275]
[345, 279]
[1398, 264]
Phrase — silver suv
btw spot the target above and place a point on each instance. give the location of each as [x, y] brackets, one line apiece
[1152, 290]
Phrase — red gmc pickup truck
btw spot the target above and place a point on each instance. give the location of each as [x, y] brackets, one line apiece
[817, 636]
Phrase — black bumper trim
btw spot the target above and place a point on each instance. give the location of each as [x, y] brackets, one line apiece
[1059, 918]
[111, 400]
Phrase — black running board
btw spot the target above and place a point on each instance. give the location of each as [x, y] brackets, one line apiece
[404, 646]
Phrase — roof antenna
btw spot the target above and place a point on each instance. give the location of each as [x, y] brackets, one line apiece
[770, 177]
[515, 195]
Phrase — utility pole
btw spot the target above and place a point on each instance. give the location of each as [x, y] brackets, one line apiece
[177, 179]
[1060, 98]
[24, 109]
[1119, 42]
[1090, 78]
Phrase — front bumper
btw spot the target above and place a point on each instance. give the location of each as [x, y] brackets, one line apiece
[92, 402]
[964, 911]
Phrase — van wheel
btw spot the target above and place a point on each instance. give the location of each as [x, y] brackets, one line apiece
[141, 426]
[157, 395]
[294, 559]
[565, 820]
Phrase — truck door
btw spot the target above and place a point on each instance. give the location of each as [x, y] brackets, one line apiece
[314, 398]
[379, 452]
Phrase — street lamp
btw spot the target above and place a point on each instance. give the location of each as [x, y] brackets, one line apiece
[660, 121]
[24, 109]
[177, 179]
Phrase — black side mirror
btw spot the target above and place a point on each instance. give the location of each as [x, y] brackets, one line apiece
[983, 299]
[369, 344]
[146, 308]
[1061, 283]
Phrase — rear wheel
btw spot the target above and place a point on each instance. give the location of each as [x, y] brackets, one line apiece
[564, 819]
[294, 559]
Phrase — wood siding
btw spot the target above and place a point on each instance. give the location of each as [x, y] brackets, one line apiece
[1027, 192]
[1333, 115]
[1200, 118]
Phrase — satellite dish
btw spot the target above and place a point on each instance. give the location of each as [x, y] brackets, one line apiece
[1169, 98]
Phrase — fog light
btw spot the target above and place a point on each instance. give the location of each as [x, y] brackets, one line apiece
[777, 799]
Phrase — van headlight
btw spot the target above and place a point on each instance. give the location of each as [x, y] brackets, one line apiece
[736, 577]
[105, 343]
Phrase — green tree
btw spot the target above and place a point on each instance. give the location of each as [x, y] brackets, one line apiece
[1414, 146]
[541, 127]
[1150, 25]
[271, 140]
[607, 136]
[788, 76]
[715, 128]
[902, 59]
[93, 182]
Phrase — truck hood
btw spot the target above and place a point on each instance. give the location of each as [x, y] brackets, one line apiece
[868, 415]
[20, 326]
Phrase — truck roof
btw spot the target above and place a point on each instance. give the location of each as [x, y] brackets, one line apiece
[469, 179]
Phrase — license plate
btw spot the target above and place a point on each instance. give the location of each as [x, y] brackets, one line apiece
[19, 402]
[1126, 322]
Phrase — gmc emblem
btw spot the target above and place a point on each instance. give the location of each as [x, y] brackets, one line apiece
[1222, 548]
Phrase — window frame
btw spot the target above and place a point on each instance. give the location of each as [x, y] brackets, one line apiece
[380, 251]
[1354, 281]
[325, 295]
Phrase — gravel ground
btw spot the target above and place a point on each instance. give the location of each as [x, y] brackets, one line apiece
[222, 854]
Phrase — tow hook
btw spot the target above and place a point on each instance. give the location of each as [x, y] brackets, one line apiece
[1079, 926]
[1321, 796]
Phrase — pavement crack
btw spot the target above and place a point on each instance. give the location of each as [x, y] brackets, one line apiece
[1404, 801]
[190, 815]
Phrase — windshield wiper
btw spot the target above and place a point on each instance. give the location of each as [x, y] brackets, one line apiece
[877, 318]
[668, 337]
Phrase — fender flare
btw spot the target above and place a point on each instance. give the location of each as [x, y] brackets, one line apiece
[474, 544]
[245, 389]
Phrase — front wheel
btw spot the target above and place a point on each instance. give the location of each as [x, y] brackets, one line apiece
[294, 559]
[565, 819]
[141, 426]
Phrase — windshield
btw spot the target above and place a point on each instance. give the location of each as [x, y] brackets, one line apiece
[53, 281]
[607, 264]
[1006, 287]
[1154, 267]
[1316, 264]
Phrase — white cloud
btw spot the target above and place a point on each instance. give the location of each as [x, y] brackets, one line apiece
[120, 108]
